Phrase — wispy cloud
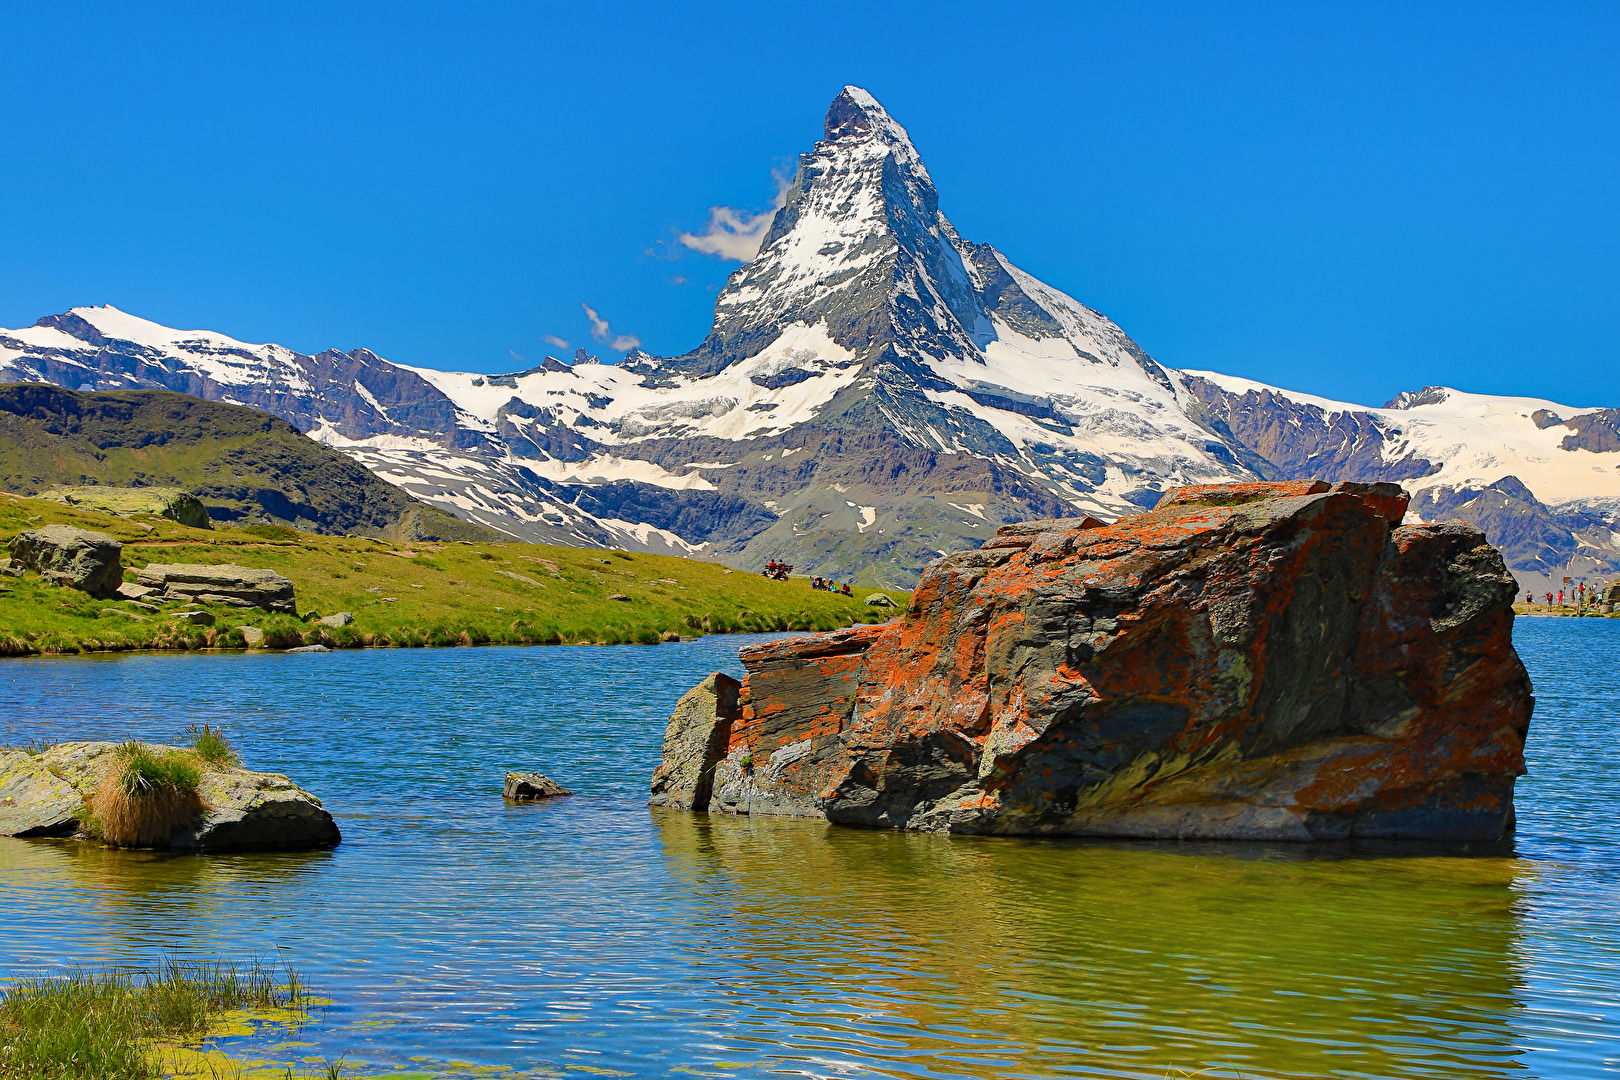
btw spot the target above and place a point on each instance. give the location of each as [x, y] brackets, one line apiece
[554, 341]
[601, 331]
[519, 357]
[736, 234]
[678, 279]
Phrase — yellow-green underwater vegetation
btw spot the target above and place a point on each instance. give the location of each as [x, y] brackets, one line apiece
[406, 594]
[141, 1025]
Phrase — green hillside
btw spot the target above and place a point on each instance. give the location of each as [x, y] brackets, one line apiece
[245, 465]
[406, 594]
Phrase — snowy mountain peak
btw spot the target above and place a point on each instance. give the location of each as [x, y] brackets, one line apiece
[1429, 395]
[874, 391]
[855, 115]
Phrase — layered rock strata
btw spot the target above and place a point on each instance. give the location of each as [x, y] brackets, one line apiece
[1265, 661]
[224, 583]
[51, 794]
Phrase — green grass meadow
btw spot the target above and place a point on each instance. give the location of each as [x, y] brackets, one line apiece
[409, 595]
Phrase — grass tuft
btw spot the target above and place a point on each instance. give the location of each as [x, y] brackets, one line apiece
[103, 1025]
[212, 747]
[147, 797]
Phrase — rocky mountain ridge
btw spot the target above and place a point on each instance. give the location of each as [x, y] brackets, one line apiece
[875, 391]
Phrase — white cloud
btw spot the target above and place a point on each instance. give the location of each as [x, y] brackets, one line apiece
[601, 331]
[519, 357]
[736, 234]
[554, 340]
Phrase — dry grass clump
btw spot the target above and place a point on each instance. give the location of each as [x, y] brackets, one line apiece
[147, 796]
[90, 1025]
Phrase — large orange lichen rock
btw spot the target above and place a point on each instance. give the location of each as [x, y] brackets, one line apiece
[1269, 661]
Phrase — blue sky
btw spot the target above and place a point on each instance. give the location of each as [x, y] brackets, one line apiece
[1347, 199]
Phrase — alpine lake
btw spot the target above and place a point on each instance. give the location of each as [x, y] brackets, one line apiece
[456, 935]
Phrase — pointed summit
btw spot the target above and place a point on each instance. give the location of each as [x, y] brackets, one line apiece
[855, 114]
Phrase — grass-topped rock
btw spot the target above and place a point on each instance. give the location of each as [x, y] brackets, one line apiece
[144, 795]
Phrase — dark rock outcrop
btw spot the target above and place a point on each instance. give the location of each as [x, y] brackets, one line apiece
[528, 786]
[172, 503]
[78, 558]
[1266, 661]
[224, 583]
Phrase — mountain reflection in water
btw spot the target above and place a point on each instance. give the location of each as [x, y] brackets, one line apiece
[456, 933]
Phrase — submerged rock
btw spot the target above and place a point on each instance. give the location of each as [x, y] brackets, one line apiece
[1269, 661]
[526, 786]
[52, 793]
[78, 558]
[224, 583]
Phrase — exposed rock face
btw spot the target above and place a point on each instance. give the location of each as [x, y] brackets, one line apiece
[172, 503]
[224, 583]
[78, 558]
[528, 786]
[46, 795]
[1266, 661]
[697, 736]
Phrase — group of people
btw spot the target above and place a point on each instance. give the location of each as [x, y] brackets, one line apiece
[839, 587]
[1577, 596]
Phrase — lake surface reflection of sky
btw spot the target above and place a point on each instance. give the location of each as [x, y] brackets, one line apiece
[455, 933]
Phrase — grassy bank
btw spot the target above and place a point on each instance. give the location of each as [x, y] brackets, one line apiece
[406, 594]
[117, 1025]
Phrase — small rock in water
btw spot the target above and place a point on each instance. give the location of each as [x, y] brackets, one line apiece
[310, 648]
[669, 635]
[525, 786]
[342, 618]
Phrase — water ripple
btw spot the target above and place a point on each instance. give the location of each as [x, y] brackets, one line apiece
[595, 933]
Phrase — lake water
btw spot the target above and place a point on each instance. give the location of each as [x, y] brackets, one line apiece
[460, 936]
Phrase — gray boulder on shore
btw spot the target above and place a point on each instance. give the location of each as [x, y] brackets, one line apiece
[77, 558]
[224, 583]
[49, 795]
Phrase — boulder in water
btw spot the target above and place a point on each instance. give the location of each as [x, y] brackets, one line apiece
[1267, 661]
[527, 786]
[78, 558]
[52, 793]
